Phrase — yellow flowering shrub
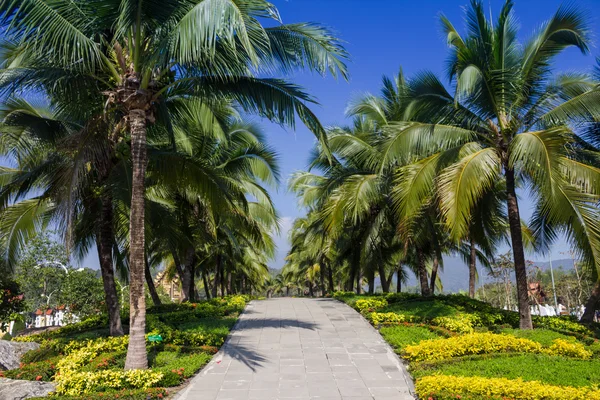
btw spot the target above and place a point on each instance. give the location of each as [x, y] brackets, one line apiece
[370, 304]
[473, 343]
[80, 353]
[561, 347]
[461, 323]
[388, 318]
[237, 301]
[452, 387]
[483, 343]
[77, 383]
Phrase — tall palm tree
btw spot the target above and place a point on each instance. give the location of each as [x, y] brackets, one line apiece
[138, 53]
[508, 120]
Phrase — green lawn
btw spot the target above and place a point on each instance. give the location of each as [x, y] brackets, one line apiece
[554, 370]
[402, 336]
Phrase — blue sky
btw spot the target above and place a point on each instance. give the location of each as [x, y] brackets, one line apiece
[381, 36]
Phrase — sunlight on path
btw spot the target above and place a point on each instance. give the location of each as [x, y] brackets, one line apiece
[302, 349]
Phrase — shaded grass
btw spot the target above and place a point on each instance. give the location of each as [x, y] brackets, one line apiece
[424, 309]
[553, 370]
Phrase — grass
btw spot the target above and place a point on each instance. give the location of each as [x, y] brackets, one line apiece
[424, 309]
[547, 369]
[553, 370]
[401, 336]
[542, 336]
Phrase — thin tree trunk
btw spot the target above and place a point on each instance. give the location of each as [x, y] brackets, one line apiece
[592, 303]
[385, 283]
[322, 279]
[206, 286]
[136, 350]
[359, 280]
[472, 268]
[398, 281]
[434, 271]
[215, 288]
[371, 279]
[229, 286]
[150, 283]
[104, 241]
[422, 273]
[514, 220]
[222, 278]
[330, 273]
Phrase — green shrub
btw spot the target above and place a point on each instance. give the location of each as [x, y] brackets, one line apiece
[179, 368]
[41, 354]
[35, 371]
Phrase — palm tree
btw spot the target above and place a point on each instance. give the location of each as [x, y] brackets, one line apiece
[508, 120]
[137, 54]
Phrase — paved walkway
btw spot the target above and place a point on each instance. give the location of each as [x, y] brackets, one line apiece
[302, 349]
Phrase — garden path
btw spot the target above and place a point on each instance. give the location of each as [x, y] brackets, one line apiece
[301, 348]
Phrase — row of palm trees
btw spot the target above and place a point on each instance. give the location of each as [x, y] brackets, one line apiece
[424, 170]
[139, 147]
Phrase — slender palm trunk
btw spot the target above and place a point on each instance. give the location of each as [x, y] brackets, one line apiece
[222, 279]
[359, 277]
[434, 271]
[136, 351]
[322, 279]
[422, 273]
[472, 268]
[150, 282]
[592, 304]
[215, 287]
[398, 280]
[104, 240]
[206, 285]
[371, 279]
[516, 235]
[330, 275]
[385, 283]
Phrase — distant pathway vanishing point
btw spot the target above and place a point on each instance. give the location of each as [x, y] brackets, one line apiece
[299, 348]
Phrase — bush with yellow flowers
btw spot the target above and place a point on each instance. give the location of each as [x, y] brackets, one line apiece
[483, 343]
[377, 318]
[460, 323]
[76, 383]
[79, 353]
[445, 387]
[364, 305]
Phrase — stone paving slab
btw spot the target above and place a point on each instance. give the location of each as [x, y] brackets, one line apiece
[305, 349]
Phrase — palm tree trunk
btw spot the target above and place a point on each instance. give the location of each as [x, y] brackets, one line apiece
[215, 287]
[472, 268]
[150, 283]
[434, 271]
[136, 351]
[359, 277]
[516, 235]
[385, 283]
[398, 280]
[222, 278]
[330, 273]
[422, 273]
[592, 303]
[371, 279]
[206, 286]
[104, 240]
[322, 279]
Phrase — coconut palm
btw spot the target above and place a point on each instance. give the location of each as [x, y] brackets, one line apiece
[509, 120]
[137, 54]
